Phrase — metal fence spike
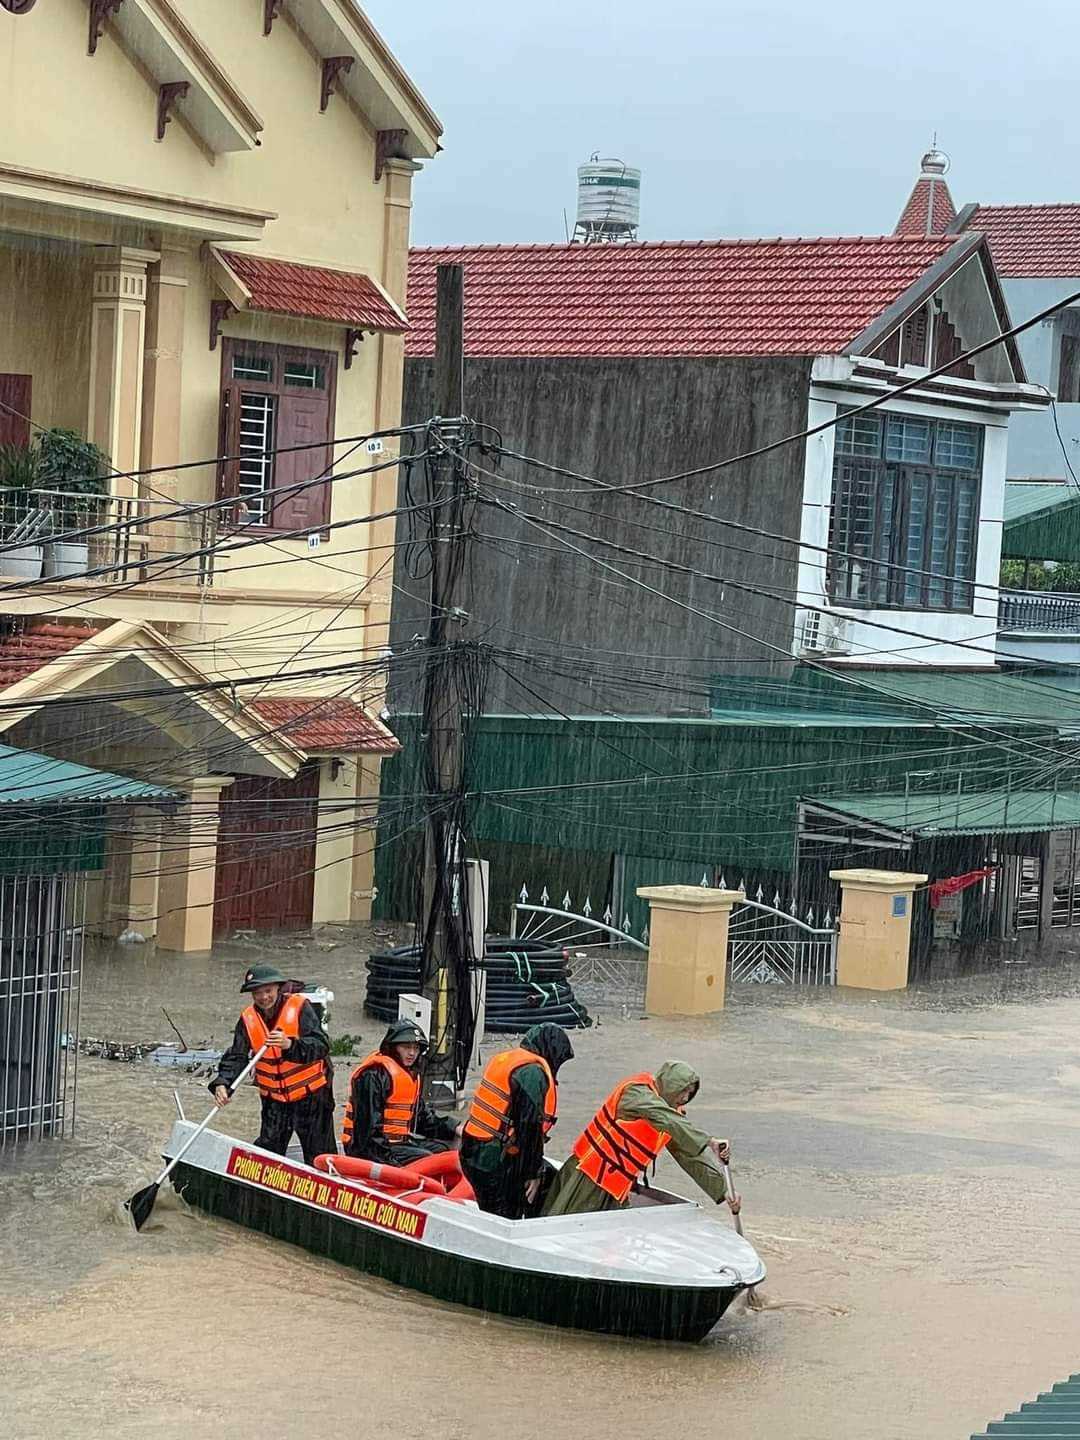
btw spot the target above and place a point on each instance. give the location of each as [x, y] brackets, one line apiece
[810, 915]
[793, 909]
[760, 895]
[544, 896]
[523, 895]
[828, 918]
[776, 900]
[586, 909]
[645, 935]
[626, 923]
[607, 915]
[742, 884]
[566, 901]
[723, 882]
[704, 879]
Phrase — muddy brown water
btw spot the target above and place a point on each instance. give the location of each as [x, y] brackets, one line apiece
[911, 1173]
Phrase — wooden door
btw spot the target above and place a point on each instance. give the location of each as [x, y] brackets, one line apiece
[265, 877]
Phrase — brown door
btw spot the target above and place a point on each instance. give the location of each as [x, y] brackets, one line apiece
[265, 876]
[15, 392]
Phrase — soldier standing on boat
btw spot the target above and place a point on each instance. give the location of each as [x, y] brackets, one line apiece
[294, 1077]
[386, 1118]
[642, 1117]
[512, 1112]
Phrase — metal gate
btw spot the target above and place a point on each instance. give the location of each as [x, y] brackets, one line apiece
[608, 964]
[768, 946]
[41, 943]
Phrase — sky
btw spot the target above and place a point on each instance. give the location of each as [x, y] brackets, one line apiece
[774, 117]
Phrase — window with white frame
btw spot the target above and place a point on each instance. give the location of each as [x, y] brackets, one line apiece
[903, 527]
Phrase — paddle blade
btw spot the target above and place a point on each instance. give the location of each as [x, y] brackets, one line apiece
[141, 1204]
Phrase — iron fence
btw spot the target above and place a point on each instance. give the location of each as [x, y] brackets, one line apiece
[1038, 610]
[41, 949]
[111, 538]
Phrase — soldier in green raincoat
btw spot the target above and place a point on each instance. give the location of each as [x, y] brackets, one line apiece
[642, 1117]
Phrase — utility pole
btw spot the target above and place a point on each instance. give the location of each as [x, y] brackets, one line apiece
[444, 955]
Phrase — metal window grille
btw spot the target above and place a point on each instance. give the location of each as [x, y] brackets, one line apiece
[904, 515]
[255, 472]
[304, 377]
[1028, 892]
[41, 946]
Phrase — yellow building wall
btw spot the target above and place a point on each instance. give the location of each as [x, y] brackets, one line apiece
[45, 328]
[71, 113]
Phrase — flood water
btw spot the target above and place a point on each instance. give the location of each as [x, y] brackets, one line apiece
[911, 1174]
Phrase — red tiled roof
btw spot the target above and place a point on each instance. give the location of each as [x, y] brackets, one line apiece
[920, 216]
[317, 724]
[722, 297]
[29, 650]
[313, 292]
[1031, 240]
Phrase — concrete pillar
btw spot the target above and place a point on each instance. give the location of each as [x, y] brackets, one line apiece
[688, 945]
[188, 868]
[166, 300]
[363, 867]
[335, 841]
[144, 877]
[875, 928]
[117, 343]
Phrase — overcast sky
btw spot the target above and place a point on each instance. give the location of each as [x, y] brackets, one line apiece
[762, 118]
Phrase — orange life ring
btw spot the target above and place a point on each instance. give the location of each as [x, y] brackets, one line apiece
[394, 1176]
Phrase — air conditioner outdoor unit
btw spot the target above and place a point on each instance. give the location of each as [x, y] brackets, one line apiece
[824, 633]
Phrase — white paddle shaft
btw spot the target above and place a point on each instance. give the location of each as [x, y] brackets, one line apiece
[199, 1129]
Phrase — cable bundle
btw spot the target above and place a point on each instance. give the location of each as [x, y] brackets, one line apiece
[527, 982]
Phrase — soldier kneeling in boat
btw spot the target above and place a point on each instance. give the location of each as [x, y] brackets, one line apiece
[641, 1117]
[294, 1077]
[512, 1112]
[386, 1119]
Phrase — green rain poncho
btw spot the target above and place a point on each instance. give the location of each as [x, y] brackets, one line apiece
[575, 1194]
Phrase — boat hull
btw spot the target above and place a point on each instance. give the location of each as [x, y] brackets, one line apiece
[650, 1311]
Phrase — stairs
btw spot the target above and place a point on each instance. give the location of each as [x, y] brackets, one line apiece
[1055, 1415]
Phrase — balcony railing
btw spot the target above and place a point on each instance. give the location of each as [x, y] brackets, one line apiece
[46, 535]
[1038, 610]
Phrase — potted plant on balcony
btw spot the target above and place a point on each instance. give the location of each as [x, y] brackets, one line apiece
[76, 472]
[23, 523]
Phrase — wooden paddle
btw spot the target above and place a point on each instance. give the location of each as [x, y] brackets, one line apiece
[142, 1202]
[751, 1293]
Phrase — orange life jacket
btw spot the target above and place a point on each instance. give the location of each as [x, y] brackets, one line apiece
[489, 1114]
[613, 1153]
[400, 1109]
[278, 1077]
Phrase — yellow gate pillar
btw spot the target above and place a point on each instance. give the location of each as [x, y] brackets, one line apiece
[189, 868]
[875, 928]
[688, 944]
[117, 345]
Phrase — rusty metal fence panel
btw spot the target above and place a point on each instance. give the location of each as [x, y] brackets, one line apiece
[41, 947]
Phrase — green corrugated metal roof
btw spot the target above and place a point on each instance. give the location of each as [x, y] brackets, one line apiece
[1022, 500]
[1055, 1413]
[977, 813]
[27, 778]
[925, 696]
[1042, 522]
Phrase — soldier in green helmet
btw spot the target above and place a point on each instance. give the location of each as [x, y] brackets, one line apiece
[294, 1076]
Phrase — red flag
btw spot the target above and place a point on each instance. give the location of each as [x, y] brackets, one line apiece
[955, 883]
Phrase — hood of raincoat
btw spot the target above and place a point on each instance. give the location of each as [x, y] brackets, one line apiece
[551, 1042]
[674, 1077]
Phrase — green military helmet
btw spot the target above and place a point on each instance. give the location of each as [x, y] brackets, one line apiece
[404, 1032]
[262, 975]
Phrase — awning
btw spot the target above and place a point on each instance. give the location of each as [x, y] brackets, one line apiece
[920, 815]
[326, 725]
[30, 779]
[306, 292]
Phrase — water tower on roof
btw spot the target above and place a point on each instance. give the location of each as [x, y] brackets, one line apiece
[608, 202]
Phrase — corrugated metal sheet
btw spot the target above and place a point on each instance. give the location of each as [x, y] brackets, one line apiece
[33, 780]
[991, 812]
[1042, 522]
[1055, 1415]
